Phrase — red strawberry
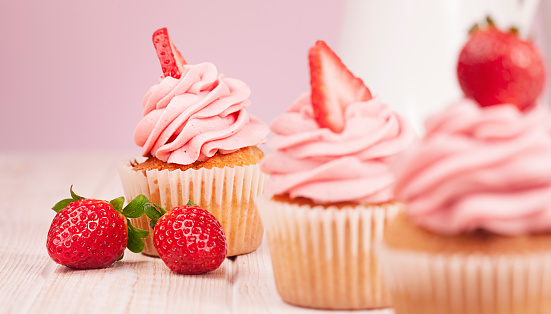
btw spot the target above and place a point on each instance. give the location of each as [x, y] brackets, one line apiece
[188, 238]
[333, 87]
[497, 67]
[88, 233]
[172, 61]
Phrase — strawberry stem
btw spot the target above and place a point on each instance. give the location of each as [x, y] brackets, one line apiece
[65, 202]
[74, 195]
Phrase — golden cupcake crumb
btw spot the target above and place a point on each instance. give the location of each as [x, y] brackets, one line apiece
[306, 201]
[285, 198]
[402, 233]
[245, 156]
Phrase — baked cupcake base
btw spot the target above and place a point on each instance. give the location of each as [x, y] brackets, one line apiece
[228, 193]
[322, 256]
[473, 283]
[475, 273]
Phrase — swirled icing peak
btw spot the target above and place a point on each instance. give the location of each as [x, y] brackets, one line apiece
[327, 167]
[480, 168]
[193, 117]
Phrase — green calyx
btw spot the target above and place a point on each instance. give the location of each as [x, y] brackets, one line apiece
[154, 212]
[135, 241]
[489, 23]
[134, 209]
[474, 28]
[65, 202]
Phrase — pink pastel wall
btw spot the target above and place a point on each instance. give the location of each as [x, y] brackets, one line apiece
[73, 73]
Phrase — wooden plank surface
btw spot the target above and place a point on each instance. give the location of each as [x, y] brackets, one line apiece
[30, 282]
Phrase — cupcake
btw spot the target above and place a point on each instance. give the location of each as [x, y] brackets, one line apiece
[475, 236]
[200, 144]
[476, 233]
[329, 191]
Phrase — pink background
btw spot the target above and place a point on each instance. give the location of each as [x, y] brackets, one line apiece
[73, 73]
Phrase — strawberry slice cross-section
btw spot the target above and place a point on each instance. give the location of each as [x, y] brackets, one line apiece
[333, 87]
[171, 60]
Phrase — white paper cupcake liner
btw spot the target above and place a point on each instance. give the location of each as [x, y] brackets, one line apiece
[228, 193]
[474, 283]
[322, 257]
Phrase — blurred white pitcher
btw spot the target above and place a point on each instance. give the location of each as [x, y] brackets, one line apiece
[406, 50]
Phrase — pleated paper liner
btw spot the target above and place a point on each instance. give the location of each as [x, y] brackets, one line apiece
[228, 193]
[473, 283]
[322, 257]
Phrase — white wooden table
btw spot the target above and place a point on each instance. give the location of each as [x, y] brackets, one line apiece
[30, 282]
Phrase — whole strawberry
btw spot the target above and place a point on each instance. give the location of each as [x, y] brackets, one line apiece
[89, 233]
[497, 67]
[188, 238]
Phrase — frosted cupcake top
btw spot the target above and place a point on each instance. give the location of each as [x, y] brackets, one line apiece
[480, 168]
[327, 167]
[190, 118]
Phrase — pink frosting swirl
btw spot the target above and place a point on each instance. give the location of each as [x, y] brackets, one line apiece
[480, 168]
[191, 118]
[328, 167]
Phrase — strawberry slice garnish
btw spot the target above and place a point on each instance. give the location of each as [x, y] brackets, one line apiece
[172, 61]
[333, 87]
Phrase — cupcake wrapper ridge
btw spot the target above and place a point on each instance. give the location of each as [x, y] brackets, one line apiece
[322, 257]
[228, 193]
[473, 283]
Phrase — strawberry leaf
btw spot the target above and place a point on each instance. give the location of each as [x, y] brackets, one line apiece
[122, 255]
[154, 212]
[62, 204]
[139, 232]
[191, 203]
[135, 244]
[135, 238]
[117, 203]
[135, 208]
